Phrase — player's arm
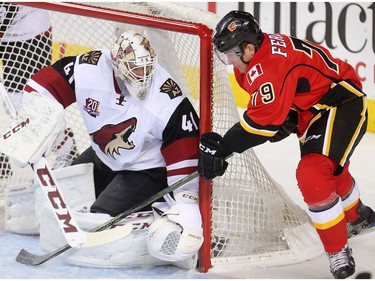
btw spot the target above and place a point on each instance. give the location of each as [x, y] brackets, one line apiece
[180, 146]
[289, 126]
[263, 120]
[237, 139]
[55, 81]
[240, 137]
[247, 134]
[215, 149]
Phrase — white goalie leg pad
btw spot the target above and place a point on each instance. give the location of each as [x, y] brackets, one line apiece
[34, 130]
[20, 215]
[24, 202]
[127, 252]
[177, 234]
[76, 184]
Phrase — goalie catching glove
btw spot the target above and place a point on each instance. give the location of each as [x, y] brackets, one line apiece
[34, 130]
[177, 234]
[212, 156]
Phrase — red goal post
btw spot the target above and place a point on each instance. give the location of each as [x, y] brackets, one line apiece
[247, 216]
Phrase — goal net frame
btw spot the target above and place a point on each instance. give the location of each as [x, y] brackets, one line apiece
[217, 232]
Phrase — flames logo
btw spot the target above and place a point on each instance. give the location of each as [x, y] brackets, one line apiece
[110, 138]
[232, 26]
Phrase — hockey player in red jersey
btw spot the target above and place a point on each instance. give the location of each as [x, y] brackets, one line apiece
[144, 135]
[296, 86]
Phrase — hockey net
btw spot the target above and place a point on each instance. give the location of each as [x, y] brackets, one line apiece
[247, 216]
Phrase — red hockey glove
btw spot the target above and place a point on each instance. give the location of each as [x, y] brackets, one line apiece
[212, 155]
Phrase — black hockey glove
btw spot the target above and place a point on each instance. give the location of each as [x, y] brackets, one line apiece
[289, 127]
[212, 155]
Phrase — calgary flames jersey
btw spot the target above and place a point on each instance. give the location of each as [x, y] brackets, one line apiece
[288, 73]
[126, 133]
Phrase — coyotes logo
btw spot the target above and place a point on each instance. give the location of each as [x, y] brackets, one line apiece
[110, 138]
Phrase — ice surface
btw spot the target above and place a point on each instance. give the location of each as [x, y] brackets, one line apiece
[280, 159]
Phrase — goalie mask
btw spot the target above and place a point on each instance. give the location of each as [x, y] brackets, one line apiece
[135, 61]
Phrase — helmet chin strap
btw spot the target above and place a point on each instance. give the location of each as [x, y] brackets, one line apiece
[241, 58]
[239, 53]
[246, 62]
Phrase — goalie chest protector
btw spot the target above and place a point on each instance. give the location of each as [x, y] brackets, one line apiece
[126, 132]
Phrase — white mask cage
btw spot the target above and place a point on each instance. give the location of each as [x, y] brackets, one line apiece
[134, 59]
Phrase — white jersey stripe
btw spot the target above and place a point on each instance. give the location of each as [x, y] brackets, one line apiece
[183, 164]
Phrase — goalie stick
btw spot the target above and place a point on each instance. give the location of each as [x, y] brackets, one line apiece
[28, 258]
[75, 236]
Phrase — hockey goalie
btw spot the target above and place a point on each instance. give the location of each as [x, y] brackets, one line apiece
[144, 137]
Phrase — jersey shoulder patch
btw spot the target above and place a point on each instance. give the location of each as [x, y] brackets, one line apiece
[91, 57]
[171, 88]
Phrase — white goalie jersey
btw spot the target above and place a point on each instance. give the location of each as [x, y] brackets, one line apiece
[126, 133]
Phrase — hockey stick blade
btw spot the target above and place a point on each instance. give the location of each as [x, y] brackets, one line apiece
[27, 258]
[93, 239]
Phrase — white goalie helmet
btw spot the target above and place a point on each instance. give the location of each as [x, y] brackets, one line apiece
[134, 60]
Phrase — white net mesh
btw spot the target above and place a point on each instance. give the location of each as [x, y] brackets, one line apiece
[250, 212]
